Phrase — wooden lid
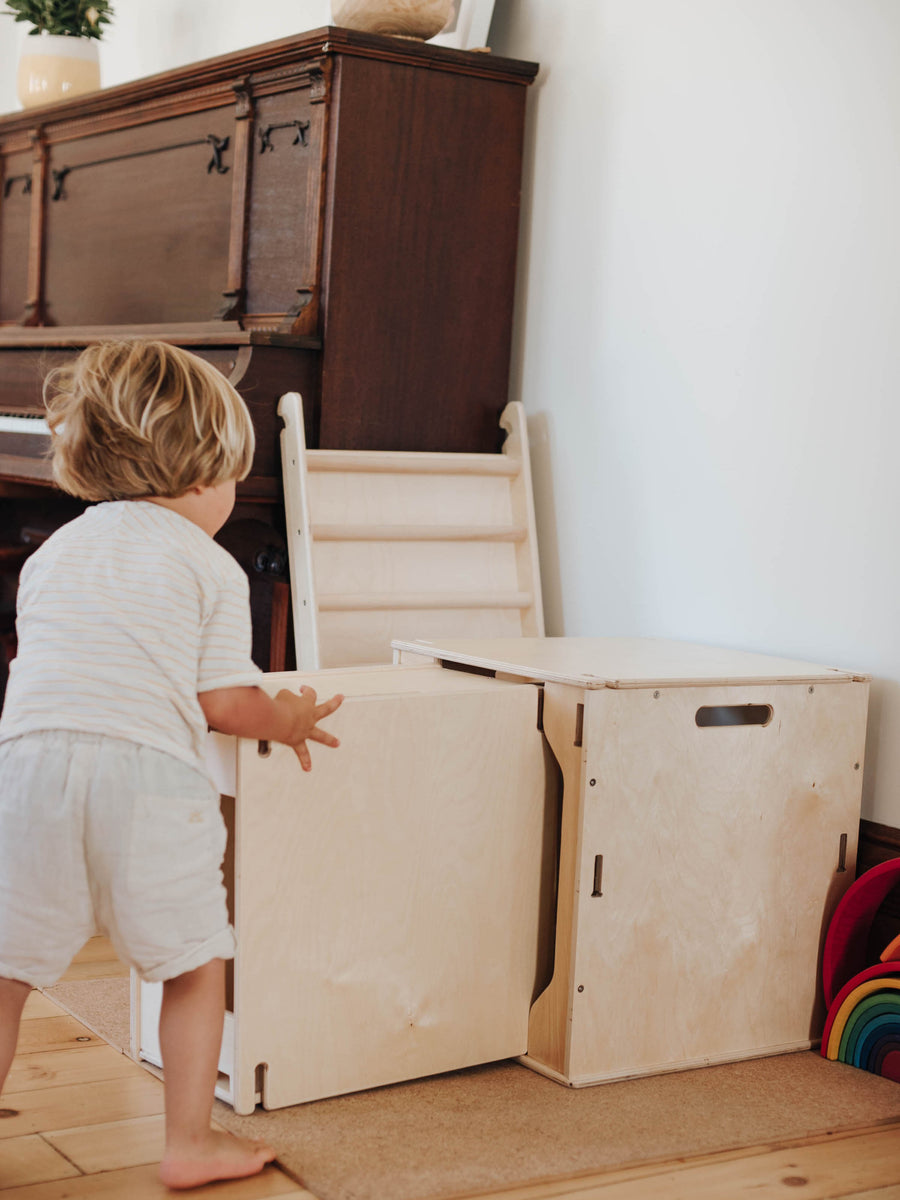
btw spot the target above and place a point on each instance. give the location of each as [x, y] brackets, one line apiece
[625, 662]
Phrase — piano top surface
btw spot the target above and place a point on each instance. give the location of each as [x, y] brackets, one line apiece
[268, 56]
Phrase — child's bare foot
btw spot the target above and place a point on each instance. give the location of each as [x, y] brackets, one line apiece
[220, 1156]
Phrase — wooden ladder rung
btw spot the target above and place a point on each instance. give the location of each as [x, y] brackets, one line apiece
[418, 533]
[405, 462]
[369, 601]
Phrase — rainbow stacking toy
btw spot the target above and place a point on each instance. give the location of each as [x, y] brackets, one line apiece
[863, 1023]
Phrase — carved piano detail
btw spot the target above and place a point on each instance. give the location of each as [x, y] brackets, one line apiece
[334, 214]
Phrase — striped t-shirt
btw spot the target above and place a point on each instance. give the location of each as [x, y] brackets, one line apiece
[124, 615]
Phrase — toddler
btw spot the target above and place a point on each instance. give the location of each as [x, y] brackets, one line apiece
[134, 636]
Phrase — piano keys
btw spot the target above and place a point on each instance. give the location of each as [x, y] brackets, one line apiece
[25, 445]
[30, 424]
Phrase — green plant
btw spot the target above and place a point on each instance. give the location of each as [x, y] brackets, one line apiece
[71, 18]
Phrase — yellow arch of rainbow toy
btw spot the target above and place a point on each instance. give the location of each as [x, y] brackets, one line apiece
[884, 983]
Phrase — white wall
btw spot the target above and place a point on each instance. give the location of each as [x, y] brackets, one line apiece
[708, 327]
[148, 36]
[707, 334]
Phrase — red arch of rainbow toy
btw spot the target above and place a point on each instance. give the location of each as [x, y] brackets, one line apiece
[849, 985]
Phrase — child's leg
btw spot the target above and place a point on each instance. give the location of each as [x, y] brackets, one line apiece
[46, 913]
[190, 1035]
[12, 1000]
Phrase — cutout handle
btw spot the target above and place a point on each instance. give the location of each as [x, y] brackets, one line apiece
[719, 715]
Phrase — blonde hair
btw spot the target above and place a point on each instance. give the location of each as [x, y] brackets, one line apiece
[143, 418]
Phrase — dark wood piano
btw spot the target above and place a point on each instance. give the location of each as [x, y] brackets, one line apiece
[333, 213]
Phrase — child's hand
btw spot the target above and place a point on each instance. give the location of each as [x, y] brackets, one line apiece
[249, 712]
[304, 715]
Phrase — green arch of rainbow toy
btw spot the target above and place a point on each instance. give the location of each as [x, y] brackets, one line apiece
[865, 1031]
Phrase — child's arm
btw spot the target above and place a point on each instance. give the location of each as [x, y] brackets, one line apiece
[250, 712]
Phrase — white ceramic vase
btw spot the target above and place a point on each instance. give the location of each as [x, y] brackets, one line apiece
[403, 18]
[53, 67]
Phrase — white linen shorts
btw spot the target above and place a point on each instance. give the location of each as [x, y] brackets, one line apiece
[102, 835]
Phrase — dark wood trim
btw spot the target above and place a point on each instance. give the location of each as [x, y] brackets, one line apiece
[34, 304]
[17, 468]
[27, 489]
[281, 609]
[240, 199]
[192, 333]
[213, 78]
[877, 844]
[80, 123]
[305, 316]
[2, 197]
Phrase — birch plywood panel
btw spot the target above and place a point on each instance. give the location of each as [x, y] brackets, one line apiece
[378, 680]
[701, 857]
[349, 636]
[399, 544]
[459, 566]
[549, 1026]
[628, 662]
[721, 850]
[387, 903]
[343, 492]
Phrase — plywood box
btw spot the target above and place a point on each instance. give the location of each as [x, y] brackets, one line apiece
[386, 905]
[709, 825]
[422, 902]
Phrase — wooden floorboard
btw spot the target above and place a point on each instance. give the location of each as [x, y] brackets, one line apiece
[80, 1121]
[141, 1183]
[54, 1068]
[39, 1005]
[864, 1163]
[112, 1146]
[61, 1032]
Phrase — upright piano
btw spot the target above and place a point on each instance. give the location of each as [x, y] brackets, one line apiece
[333, 213]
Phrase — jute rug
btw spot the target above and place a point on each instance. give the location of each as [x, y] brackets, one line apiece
[101, 1004]
[501, 1125]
